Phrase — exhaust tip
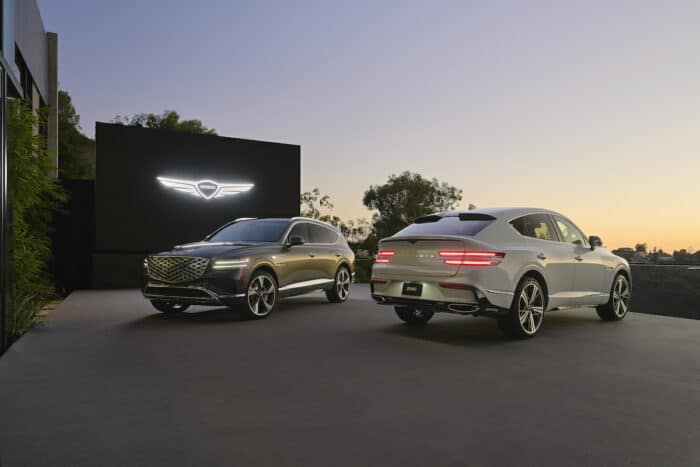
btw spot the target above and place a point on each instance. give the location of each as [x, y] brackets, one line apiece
[463, 308]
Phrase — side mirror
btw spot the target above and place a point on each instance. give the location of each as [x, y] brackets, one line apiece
[295, 240]
[595, 241]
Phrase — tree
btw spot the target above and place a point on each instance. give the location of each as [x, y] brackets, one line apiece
[405, 197]
[72, 143]
[640, 247]
[168, 120]
[318, 206]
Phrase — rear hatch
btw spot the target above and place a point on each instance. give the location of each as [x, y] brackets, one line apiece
[419, 256]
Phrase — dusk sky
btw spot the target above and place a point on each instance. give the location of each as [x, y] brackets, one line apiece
[588, 108]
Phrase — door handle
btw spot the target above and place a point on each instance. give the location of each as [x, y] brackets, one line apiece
[542, 256]
[313, 255]
[578, 258]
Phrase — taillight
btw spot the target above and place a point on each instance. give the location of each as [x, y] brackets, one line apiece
[471, 258]
[383, 256]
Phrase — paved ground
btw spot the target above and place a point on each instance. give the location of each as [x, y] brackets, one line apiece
[110, 382]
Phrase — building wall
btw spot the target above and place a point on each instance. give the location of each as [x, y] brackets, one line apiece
[30, 37]
[137, 215]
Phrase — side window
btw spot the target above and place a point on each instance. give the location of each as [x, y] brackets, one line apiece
[301, 229]
[537, 226]
[570, 233]
[321, 234]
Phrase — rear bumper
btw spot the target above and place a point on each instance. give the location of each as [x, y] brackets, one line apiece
[189, 294]
[472, 301]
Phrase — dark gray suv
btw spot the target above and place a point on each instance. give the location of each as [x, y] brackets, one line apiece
[251, 264]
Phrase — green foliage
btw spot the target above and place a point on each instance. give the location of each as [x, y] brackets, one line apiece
[34, 197]
[405, 197]
[72, 143]
[168, 120]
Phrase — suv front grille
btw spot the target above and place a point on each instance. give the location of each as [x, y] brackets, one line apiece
[176, 268]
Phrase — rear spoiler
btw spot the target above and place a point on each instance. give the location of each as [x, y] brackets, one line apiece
[463, 216]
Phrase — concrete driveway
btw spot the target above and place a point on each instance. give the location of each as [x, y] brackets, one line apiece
[108, 381]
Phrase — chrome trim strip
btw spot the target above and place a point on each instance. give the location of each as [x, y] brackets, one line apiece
[500, 292]
[310, 283]
[212, 295]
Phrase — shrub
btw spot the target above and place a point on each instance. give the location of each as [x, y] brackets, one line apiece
[34, 197]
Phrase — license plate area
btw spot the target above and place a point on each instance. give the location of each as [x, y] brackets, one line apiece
[412, 289]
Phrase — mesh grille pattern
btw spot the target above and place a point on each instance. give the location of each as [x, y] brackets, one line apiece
[176, 268]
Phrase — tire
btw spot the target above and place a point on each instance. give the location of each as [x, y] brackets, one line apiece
[169, 307]
[620, 300]
[527, 310]
[341, 286]
[261, 296]
[413, 315]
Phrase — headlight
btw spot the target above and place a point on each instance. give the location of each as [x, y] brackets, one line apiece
[230, 263]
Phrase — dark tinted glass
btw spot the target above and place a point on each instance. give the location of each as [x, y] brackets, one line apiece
[535, 226]
[321, 234]
[252, 231]
[570, 233]
[301, 229]
[446, 226]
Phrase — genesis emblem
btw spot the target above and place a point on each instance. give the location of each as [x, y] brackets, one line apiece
[206, 189]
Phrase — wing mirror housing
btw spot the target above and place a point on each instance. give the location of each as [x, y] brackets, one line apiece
[295, 240]
[595, 241]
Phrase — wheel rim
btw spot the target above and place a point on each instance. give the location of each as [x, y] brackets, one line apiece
[621, 296]
[261, 295]
[342, 284]
[531, 308]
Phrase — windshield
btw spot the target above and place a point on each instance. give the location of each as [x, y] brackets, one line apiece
[262, 230]
[445, 226]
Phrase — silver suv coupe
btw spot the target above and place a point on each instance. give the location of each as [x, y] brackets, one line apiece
[509, 263]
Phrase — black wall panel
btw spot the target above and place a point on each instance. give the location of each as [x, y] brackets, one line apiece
[137, 215]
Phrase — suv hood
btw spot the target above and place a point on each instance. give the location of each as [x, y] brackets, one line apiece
[211, 249]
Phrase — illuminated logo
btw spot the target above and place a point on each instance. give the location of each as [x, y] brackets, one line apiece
[206, 189]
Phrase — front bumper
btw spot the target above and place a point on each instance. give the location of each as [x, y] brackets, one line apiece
[197, 294]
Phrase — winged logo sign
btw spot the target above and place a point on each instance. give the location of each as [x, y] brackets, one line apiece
[207, 189]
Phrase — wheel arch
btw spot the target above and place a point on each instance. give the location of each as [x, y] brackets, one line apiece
[266, 268]
[625, 272]
[536, 274]
[343, 263]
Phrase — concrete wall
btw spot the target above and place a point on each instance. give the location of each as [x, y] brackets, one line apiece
[30, 37]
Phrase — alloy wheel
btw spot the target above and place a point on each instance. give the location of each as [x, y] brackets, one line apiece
[342, 283]
[621, 296]
[261, 295]
[531, 308]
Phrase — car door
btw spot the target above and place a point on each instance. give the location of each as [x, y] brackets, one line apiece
[324, 239]
[555, 257]
[589, 270]
[299, 259]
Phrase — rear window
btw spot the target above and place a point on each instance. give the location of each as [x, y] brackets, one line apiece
[445, 226]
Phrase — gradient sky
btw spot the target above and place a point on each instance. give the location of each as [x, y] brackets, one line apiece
[589, 108]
